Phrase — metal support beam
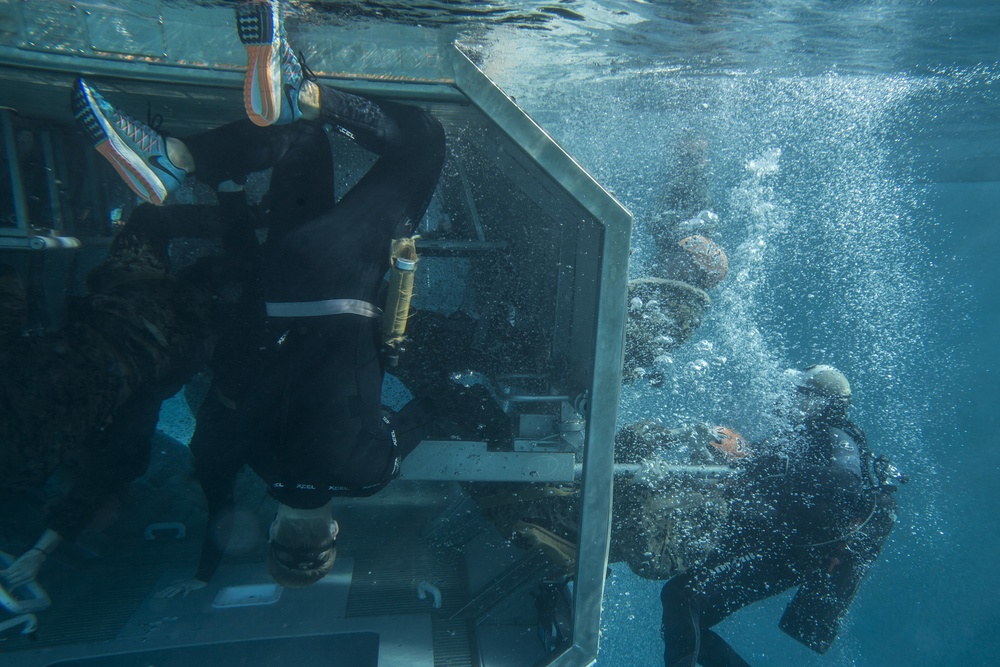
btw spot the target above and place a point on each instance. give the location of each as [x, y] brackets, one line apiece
[51, 181]
[38, 242]
[16, 182]
[463, 461]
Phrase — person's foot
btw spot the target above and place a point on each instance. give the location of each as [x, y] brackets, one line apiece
[136, 151]
[274, 74]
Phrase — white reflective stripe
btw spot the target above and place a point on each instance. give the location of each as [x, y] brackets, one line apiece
[320, 308]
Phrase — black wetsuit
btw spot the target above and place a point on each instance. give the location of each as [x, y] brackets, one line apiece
[300, 400]
[813, 519]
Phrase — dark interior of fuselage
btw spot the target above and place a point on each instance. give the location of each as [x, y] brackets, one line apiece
[503, 308]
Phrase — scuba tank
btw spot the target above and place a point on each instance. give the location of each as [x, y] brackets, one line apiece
[816, 612]
[402, 267]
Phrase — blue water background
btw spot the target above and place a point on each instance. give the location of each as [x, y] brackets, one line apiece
[853, 163]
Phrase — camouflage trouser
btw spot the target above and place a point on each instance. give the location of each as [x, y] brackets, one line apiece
[552, 507]
[662, 531]
[657, 531]
[138, 326]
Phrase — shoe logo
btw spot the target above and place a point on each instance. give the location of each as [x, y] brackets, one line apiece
[158, 162]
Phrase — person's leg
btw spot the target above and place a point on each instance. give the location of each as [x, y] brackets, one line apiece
[302, 176]
[815, 614]
[216, 458]
[681, 623]
[701, 598]
[411, 146]
[302, 181]
[151, 165]
[394, 193]
[715, 652]
[345, 254]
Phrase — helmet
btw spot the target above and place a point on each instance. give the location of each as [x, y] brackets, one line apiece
[729, 443]
[825, 381]
[708, 259]
[302, 548]
[824, 390]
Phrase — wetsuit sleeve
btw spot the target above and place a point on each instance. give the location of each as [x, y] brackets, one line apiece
[217, 461]
[217, 532]
[109, 460]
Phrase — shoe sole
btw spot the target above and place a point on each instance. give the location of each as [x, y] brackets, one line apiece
[130, 165]
[262, 82]
[262, 105]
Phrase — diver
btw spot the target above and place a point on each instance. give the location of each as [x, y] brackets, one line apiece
[668, 500]
[667, 305]
[811, 509]
[86, 398]
[665, 515]
[665, 310]
[307, 419]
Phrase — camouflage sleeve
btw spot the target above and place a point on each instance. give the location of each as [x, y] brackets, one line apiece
[217, 460]
[107, 462]
[218, 530]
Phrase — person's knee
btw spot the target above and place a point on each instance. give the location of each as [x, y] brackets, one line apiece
[308, 134]
[304, 149]
[425, 133]
[435, 139]
[434, 131]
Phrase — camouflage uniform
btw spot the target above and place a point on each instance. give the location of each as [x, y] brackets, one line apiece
[78, 397]
[661, 526]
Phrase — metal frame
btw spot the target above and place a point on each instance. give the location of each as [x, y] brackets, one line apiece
[16, 183]
[437, 73]
[598, 466]
[22, 236]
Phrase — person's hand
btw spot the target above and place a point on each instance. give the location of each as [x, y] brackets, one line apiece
[24, 569]
[182, 587]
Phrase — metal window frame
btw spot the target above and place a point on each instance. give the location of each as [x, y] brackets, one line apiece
[598, 462]
[442, 73]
